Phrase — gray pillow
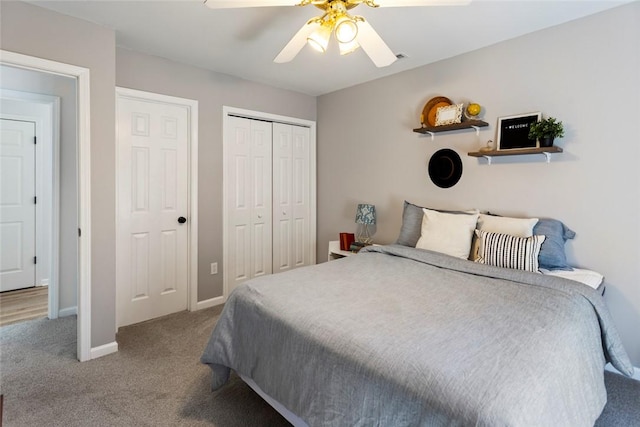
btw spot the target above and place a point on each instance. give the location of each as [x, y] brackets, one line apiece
[552, 255]
[412, 223]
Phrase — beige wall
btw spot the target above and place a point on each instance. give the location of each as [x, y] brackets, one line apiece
[586, 73]
[212, 91]
[38, 32]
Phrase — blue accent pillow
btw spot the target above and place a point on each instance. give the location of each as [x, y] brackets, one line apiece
[411, 225]
[552, 255]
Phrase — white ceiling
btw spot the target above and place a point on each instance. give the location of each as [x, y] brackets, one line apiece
[243, 42]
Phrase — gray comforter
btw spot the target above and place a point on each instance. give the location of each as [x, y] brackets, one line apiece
[397, 336]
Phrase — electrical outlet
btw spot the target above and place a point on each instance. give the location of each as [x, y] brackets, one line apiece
[214, 268]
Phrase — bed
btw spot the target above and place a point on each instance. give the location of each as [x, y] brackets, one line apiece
[403, 336]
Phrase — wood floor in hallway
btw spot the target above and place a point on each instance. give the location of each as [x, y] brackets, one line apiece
[23, 304]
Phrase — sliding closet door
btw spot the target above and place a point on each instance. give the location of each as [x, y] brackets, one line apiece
[291, 199]
[249, 208]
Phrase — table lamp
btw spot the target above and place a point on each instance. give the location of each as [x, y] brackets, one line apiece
[365, 217]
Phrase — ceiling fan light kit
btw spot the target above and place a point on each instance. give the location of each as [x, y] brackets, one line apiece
[319, 39]
[352, 32]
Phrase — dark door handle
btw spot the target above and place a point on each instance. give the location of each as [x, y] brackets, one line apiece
[182, 220]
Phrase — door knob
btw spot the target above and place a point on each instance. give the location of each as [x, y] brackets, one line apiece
[182, 220]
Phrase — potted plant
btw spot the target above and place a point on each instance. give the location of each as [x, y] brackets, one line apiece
[546, 130]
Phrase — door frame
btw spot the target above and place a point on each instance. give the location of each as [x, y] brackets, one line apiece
[83, 113]
[47, 120]
[227, 112]
[192, 170]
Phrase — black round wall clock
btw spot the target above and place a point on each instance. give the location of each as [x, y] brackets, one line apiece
[445, 168]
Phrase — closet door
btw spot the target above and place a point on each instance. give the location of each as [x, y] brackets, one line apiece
[291, 199]
[248, 199]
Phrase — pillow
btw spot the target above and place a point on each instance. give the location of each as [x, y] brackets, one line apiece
[552, 256]
[520, 227]
[507, 251]
[411, 228]
[448, 233]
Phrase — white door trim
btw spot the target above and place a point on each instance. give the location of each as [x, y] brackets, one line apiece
[192, 107]
[258, 115]
[82, 76]
[46, 113]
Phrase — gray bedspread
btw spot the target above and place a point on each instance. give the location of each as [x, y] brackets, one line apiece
[397, 336]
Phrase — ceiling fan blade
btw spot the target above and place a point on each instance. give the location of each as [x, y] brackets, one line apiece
[296, 43]
[399, 3]
[232, 4]
[374, 46]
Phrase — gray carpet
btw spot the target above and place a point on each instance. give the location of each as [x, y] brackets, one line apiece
[156, 379]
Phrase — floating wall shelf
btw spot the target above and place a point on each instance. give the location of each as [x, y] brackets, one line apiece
[468, 124]
[547, 151]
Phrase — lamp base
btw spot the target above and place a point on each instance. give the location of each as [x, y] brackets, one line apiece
[363, 234]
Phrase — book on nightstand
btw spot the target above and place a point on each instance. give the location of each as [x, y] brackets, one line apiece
[346, 239]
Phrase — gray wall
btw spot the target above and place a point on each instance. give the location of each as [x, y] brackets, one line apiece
[212, 90]
[38, 32]
[585, 72]
[64, 88]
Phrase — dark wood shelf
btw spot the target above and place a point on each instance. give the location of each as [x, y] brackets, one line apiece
[547, 151]
[467, 124]
[516, 152]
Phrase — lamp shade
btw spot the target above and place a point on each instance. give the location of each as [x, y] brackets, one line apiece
[366, 214]
[319, 39]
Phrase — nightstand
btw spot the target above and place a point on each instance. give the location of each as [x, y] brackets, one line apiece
[335, 252]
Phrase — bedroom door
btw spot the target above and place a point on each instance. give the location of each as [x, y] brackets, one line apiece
[17, 204]
[291, 200]
[153, 196]
[248, 199]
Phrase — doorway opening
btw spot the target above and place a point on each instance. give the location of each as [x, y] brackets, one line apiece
[81, 234]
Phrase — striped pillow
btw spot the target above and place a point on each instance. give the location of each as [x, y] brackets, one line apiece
[507, 251]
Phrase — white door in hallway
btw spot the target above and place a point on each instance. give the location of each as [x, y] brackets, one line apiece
[152, 193]
[17, 204]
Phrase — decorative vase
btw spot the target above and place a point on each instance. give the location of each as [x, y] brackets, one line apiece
[546, 141]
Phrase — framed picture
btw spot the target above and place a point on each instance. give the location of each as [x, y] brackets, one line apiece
[513, 131]
[449, 115]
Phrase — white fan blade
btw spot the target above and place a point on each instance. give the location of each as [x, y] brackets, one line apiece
[296, 43]
[374, 46]
[232, 4]
[399, 3]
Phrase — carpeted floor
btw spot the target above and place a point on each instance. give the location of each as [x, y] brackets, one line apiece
[156, 379]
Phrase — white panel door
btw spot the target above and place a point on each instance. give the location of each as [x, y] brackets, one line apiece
[291, 198]
[17, 204]
[153, 145]
[248, 160]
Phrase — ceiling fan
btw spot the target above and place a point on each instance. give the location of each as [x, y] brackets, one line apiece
[351, 31]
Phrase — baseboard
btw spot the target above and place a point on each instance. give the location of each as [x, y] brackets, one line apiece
[69, 311]
[636, 371]
[103, 350]
[211, 302]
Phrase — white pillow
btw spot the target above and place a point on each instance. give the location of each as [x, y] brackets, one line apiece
[520, 227]
[447, 233]
[507, 251]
